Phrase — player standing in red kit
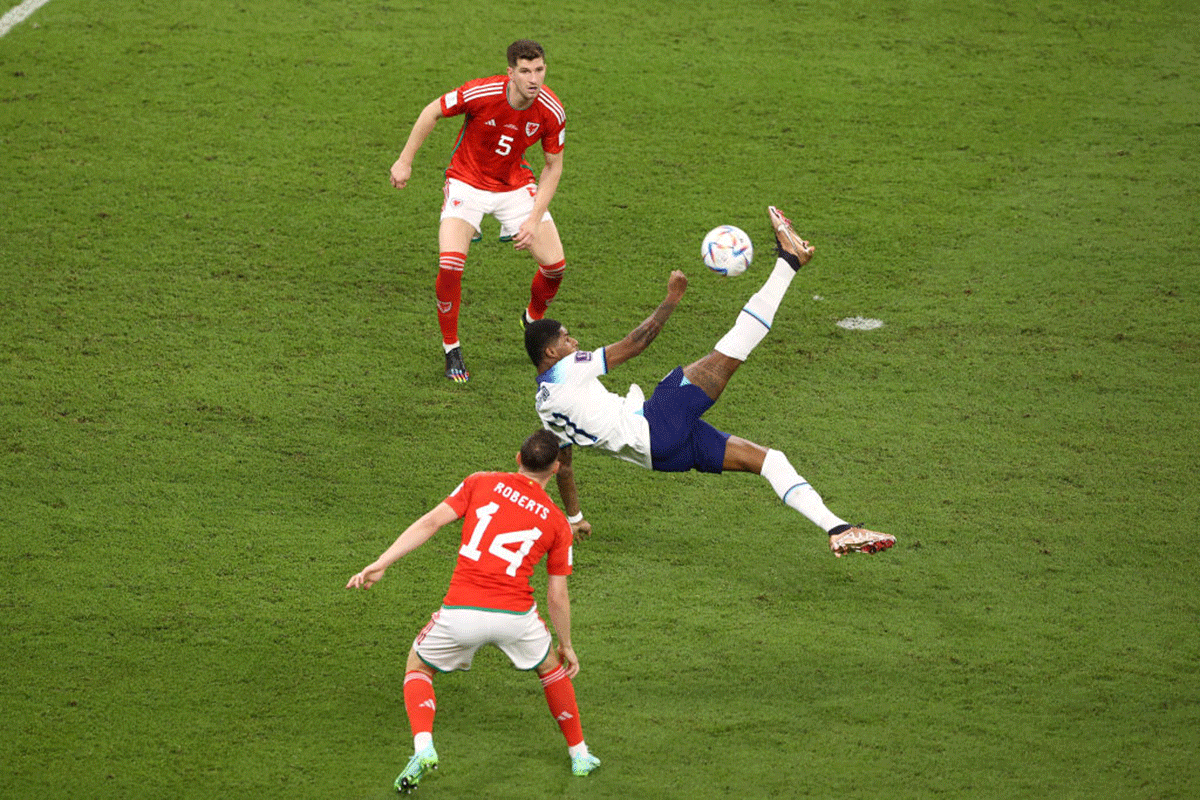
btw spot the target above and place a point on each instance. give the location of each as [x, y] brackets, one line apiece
[488, 174]
[509, 523]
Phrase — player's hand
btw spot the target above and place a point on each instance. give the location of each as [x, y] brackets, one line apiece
[366, 579]
[581, 530]
[523, 240]
[676, 285]
[570, 661]
[401, 172]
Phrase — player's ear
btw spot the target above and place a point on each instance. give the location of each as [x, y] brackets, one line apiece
[551, 349]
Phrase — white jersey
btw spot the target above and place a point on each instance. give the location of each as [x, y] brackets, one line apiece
[576, 407]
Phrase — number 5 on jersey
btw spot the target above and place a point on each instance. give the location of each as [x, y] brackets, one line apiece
[501, 545]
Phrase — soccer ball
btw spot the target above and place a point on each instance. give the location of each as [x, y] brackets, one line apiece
[727, 250]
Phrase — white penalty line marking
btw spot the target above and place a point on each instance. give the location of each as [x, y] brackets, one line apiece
[15, 16]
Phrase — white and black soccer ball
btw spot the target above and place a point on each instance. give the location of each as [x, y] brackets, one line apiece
[727, 250]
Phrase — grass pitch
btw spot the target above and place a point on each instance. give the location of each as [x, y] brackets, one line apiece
[221, 395]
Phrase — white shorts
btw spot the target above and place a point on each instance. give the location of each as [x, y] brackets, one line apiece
[463, 201]
[453, 635]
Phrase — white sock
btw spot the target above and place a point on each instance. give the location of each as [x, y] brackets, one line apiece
[758, 314]
[796, 492]
[421, 741]
[580, 749]
[449, 347]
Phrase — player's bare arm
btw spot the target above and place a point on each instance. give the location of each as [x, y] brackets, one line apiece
[547, 185]
[569, 494]
[558, 601]
[426, 122]
[640, 337]
[413, 537]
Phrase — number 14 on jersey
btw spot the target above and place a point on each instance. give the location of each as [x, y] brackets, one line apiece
[511, 547]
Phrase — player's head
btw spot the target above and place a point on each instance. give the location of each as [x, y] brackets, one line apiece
[539, 335]
[526, 73]
[539, 452]
[524, 50]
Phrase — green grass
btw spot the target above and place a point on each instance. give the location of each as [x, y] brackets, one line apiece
[220, 395]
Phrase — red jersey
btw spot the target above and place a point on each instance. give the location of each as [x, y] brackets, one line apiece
[490, 151]
[509, 523]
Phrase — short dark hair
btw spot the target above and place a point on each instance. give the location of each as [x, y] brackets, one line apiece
[538, 336]
[539, 451]
[526, 49]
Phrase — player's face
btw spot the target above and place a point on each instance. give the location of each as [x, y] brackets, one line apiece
[526, 79]
[565, 344]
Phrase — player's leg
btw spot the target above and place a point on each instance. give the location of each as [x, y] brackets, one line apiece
[547, 252]
[454, 240]
[758, 314]
[560, 698]
[527, 642]
[712, 372]
[420, 703]
[462, 212]
[513, 210]
[742, 455]
[419, 700]
[448, 642]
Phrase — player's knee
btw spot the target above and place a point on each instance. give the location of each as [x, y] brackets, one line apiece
[550, 663]
[742, 455]
[415, 663]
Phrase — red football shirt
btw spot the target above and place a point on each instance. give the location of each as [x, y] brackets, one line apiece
[490, 151]
[509, 523]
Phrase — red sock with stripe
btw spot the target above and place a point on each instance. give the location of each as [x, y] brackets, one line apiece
[545, 285]
[560, 696]
[448, 288]
[419, 701]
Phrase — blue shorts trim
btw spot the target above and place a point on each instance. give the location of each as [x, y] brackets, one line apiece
[679, 439]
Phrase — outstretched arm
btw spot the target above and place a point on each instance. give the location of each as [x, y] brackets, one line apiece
[568, 492]
[547, 185]
[559, 603]
[640, 337]
[413, 537]
[426, 121]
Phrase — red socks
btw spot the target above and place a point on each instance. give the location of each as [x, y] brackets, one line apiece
[448, 288]
[449, 293]
[421, 704]
[544, 287]
[560, 696]
[419, 701]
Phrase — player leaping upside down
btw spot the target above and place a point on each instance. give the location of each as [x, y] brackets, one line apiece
[667, 432]
[488, 174]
